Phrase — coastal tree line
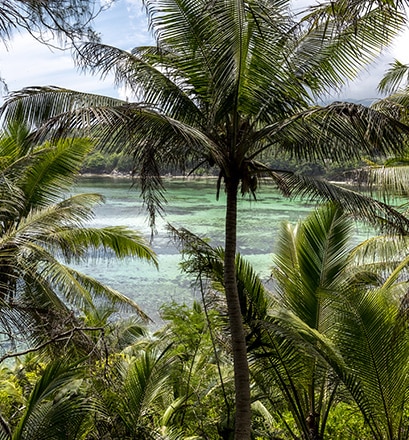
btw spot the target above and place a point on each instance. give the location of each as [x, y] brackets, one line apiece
[99, 162]
[227, 84]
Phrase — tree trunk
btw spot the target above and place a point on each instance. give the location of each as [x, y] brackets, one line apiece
[238, 339]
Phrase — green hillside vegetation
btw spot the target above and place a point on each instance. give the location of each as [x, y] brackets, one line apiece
[100, 162]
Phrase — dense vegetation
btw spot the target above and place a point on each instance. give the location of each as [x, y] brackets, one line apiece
[100, 162]
[316, 346]
[230, 87]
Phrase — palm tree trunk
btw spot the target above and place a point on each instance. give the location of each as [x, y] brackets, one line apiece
[241, 367]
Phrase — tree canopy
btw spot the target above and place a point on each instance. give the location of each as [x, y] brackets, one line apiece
[45, 20]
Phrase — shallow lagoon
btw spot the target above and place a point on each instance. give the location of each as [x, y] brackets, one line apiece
[191, 204]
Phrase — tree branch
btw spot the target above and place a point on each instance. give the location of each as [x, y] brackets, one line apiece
[56, 338]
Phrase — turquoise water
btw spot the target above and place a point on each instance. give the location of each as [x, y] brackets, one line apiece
[192, 205]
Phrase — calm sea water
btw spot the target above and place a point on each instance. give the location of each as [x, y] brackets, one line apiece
[191, 204]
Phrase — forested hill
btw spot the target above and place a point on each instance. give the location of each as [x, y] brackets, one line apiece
[119, 164]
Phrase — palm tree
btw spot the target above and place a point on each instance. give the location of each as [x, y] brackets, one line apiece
[334, 328]
[40, 228]
[378, 377]
[368, 350]
[227, 82]
[134, 395]
[310, 264]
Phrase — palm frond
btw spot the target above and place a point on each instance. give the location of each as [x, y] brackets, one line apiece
[395, 106]
[144, 383]
[77, 288]
[334, 131]
[386, 249]
[142, 72]
[121, 240]
[361, 30]
[53, 171]
[140, 389]
[391, 180]
[358, 205]
[310, 263]
[73, 211]
[254, 297]
[202, 260]
[396, 76]
[53, 406]
[199, 257]
[373, 322]
[37, 104]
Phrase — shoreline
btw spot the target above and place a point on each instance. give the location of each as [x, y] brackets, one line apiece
[181, 177]
[130, 177]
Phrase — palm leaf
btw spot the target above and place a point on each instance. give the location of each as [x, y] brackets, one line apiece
[78, 289]
[373, 322]
[53, 171]
[310, 262]
[358, 205]
[333, 131]
[121, 240]
[51, 408]
[360, 29]
[379, 254]
[141, 71]
[397, 74]
[141, 388]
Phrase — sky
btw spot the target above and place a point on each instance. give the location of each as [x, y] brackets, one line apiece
[25, 62]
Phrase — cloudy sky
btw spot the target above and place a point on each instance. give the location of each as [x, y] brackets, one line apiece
[28, 63]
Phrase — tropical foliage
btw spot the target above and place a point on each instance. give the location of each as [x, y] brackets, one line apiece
[226, 82]
[328, 350]
[331, 338]
[40, 228]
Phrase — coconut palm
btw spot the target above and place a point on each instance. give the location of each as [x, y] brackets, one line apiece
[311, 261]
[369, 334]
[310, 267]
[40, 228]
[227, 82]
[374, 344]
[334, 330]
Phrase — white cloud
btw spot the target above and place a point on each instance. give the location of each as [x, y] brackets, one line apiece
[29, 63]
[400, 49]
[26, 62]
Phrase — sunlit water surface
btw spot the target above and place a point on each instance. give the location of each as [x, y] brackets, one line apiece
[192, 205]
